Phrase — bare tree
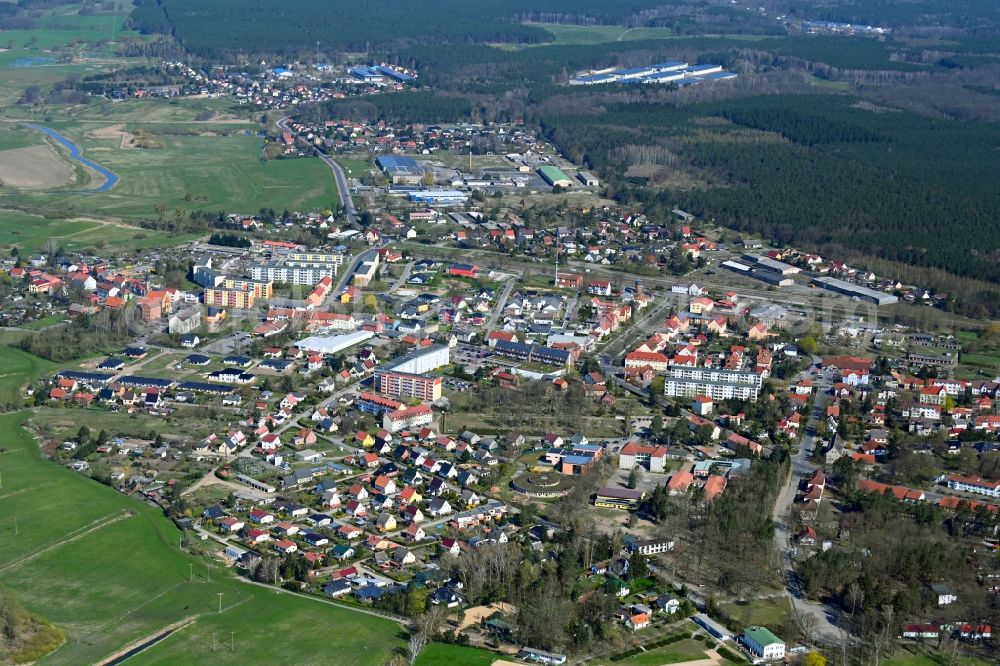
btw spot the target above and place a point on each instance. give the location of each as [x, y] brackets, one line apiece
[429, 624]
[416, 643]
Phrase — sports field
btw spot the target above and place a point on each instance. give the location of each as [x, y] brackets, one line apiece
[108, 570]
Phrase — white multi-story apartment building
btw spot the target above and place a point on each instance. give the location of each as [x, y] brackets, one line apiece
[288, 274]
[305, 268]
[717, 384]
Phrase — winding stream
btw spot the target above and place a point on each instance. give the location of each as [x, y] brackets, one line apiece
[110, 177]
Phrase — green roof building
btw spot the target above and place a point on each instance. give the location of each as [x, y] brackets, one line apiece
[763, 644]
[554, 177]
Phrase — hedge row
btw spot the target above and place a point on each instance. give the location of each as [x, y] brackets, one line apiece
[731, 656]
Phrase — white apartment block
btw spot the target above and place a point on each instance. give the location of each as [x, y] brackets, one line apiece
[288, 274]
[974, 484]
[716, 383]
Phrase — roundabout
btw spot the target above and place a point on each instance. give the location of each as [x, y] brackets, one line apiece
[542, 484]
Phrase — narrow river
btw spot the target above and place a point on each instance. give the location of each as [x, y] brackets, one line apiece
[110, 177]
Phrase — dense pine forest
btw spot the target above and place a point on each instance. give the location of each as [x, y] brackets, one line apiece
[274, 26]
[822, 171]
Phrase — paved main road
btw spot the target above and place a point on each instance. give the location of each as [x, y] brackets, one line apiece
[500, 305]
[815, 617]
[339, 178]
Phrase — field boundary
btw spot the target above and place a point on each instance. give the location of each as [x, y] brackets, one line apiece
[75, 535]
[140, 645]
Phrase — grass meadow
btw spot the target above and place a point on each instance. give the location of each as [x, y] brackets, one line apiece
[455, 655]
[31, 234]
[195, 170]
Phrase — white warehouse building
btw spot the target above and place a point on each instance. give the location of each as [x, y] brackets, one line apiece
[331, 344]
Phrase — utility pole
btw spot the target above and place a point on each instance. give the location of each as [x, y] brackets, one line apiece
[190, 571]
[220, 602]
[556, 283]
[232, 641]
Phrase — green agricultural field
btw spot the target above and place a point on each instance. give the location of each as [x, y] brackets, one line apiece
[107, 569]
[18, 367]
[64, 27]
[192, 172]
[176, 110]
[262, 631]
[12, 136]
[32, 233]
[455, 655]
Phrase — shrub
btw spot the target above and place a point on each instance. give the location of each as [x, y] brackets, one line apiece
[730, 656]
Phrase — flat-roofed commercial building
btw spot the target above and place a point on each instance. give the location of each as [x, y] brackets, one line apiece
[770, 265]
[854, 291]
[619, 498]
